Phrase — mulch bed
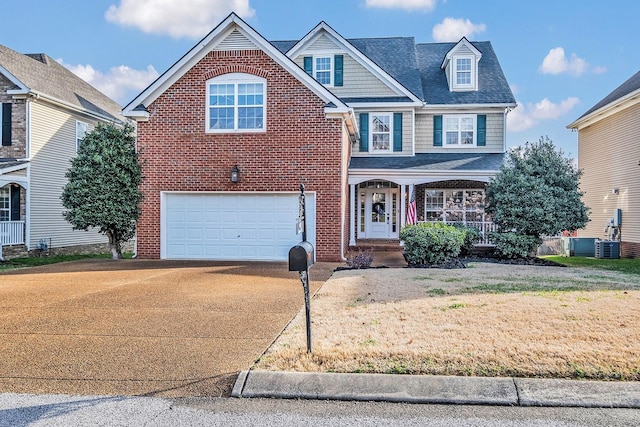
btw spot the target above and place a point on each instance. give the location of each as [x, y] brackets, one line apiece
[463, 261]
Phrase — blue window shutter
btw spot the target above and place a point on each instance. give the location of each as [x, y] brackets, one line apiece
[437, 131]
[15, 203]
[338, 73]
[308, 65]
[481, 138]
[364, 132]
[6, 124]
[397, 131]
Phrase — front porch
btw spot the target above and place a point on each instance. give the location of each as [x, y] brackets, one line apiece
[11, 233]
[380, 208]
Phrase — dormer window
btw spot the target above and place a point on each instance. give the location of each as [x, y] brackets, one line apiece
[461, 66]
[464, 71]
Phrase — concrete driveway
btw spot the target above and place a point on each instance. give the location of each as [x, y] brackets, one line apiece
[136, 327]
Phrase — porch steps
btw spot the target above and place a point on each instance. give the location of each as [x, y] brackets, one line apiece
[386, 252]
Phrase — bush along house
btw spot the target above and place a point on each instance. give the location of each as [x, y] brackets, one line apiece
[372, 127]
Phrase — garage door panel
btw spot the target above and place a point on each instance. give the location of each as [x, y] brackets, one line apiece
[232, 226]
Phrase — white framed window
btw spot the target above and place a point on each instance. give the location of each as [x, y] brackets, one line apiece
[464, 72]
[5, 204]
[460, 130]
[323, 69]
[236, 103]
[455, 205]
[380, 132]
[81, 131]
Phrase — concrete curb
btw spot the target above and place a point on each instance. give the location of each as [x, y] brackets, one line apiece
[437, 389]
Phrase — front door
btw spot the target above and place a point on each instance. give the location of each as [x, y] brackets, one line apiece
[381, 214]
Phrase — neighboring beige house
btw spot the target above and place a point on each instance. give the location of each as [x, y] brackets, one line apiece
[609, 155]
[46, 110]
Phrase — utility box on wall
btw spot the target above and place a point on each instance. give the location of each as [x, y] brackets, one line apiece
[578, 246]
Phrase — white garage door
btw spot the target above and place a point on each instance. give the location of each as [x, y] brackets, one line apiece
[243, 226]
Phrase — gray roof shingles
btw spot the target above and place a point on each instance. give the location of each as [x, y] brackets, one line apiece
[631, 85]
[432, 162]
[418, 68]
[41, 73]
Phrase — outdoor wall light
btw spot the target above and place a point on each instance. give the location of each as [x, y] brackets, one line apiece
[615, 190]
[235, 174]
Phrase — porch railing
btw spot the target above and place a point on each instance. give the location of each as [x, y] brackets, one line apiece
[11, 232]
[485, 227]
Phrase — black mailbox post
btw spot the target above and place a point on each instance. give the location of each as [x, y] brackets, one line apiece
[301, 257]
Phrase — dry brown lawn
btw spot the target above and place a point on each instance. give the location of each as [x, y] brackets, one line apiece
[485, 320]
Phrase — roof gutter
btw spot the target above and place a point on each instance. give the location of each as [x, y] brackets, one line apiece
[65, 104]
[606, 110]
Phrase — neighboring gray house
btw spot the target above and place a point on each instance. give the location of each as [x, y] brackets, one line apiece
[46, 110]
[609, 155]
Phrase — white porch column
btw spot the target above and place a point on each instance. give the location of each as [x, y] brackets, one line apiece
[403, 209]
[352, 215]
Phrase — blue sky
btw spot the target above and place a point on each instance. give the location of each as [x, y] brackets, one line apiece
[559, 56]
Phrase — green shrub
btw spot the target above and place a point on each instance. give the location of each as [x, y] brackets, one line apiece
[472, 236]
[512, 245]
[431, 243]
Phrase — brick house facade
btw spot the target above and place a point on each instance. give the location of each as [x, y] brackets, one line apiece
[178, 156]
[362, 123]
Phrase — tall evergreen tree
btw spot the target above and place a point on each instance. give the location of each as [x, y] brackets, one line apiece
[103, 185]
[536, 193]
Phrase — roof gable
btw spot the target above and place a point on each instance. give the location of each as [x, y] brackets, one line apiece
[380, 58]
[231, 34]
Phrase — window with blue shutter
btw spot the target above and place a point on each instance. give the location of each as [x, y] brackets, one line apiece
[397, 131]
[15, 203]
[481, 138]
[6, 124]
[437, 131]
[364, 132]
[308, 65]
[338, 71]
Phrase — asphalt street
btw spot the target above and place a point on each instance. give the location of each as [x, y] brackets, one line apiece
[20, 410]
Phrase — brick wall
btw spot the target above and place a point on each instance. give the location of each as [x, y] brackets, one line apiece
[17, 149]
[630, 249]
[300, 146]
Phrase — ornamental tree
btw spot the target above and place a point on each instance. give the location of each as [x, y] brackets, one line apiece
[103, 185]
[536, 193]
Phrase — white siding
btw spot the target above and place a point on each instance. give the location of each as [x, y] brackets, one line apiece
[608, 155]
[236, 41]
[53, 144]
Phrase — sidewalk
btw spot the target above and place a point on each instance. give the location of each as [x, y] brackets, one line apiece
[437, 389]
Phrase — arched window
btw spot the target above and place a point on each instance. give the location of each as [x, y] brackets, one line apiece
[236, 103]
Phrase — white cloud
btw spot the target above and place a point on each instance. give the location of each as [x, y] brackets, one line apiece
[556, 62]
[526, 116]
[452, 30]
[119, 83]
[427, 5]
[184, 18]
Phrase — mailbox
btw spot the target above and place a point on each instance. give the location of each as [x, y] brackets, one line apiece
[301, 257]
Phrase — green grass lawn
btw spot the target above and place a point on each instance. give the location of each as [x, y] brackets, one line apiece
[624, 265]
[44, 260]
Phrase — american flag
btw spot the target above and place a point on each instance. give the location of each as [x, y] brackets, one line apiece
[411, 214]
